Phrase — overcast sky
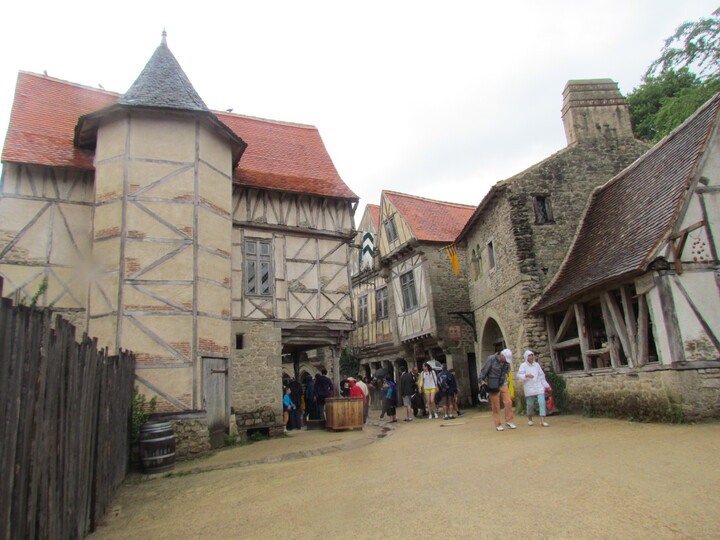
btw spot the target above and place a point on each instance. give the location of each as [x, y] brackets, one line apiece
[436, 99]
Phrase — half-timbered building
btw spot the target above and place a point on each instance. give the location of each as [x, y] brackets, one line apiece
[213, 245]
[632, 316]
[407, 302]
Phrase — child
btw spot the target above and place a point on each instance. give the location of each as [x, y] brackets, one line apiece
[288, 406]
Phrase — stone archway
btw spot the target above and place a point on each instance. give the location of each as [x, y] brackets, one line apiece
[492, 340]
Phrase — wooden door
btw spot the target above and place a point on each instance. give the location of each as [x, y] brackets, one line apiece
[215, 385]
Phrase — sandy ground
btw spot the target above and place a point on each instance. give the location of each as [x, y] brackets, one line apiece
[580, 478]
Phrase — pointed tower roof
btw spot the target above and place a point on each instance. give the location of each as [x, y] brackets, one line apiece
[163, 83]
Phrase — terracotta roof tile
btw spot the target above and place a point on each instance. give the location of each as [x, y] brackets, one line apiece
[374, 211]
[629, 216]
[429, 220]
[280, 155]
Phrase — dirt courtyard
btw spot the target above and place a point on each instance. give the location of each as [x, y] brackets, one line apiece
[579, 478]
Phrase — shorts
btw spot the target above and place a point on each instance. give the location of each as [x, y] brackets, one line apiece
[407, 401]
[429, 390]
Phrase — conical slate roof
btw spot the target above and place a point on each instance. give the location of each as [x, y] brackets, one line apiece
[163, 83]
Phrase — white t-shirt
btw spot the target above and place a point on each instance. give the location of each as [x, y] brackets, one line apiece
[429, 380]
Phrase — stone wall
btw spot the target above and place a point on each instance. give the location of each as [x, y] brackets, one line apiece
[527, 254]
[657, 395]
[256, 382]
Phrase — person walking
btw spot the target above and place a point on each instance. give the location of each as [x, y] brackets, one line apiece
[417, 399]
[456, 397]
[389, 398]
[445, 395]
[311, 412]
[532, 376]
[428, 380]
[407, 389]
[493, 376]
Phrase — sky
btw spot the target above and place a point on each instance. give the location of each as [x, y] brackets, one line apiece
[435, 99]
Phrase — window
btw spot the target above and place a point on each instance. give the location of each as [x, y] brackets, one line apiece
[258, 267]
[407, 285]
[543, 210]
[362, 310]
[476, 267]
[238, 341]
[381, 303]
[491, 255]
[390, 229]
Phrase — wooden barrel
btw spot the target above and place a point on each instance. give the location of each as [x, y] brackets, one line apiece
[157, 447]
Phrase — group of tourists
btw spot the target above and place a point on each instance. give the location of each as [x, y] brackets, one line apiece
[423, 393]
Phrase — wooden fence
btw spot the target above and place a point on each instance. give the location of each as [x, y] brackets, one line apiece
[64, 415]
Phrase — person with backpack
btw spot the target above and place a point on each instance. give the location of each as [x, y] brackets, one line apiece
[407, 389]
[428, 384]
[311, 412]
[534, 385]
[456, 398]
[388, 392]
[493, 376]
[445, 395]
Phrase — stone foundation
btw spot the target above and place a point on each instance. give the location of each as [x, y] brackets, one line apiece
[260, 419]
[192, 437]
[653, 394]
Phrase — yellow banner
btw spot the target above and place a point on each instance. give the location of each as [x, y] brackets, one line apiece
[454, 260]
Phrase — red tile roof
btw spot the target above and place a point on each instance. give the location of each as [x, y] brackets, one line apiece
[630, 216]
[374, 211]
[280, 155]
[429, 220]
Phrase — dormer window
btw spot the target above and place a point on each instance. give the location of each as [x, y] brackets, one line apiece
[543, 210]
[391, 230]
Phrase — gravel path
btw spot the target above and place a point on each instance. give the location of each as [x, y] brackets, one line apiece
[580, 478]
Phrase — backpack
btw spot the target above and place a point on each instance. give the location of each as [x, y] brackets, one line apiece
[444, 381]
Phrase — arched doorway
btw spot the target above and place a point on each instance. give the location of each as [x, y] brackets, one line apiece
[492, 339]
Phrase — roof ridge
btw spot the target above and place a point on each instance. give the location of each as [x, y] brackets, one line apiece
[417, 197]
[68, 83]
[268, 120]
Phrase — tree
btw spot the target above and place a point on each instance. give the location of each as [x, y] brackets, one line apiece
[670, 91]
[647, 100]
[349, 363]
[693, 45]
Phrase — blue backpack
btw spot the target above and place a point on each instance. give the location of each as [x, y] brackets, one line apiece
[444, 381]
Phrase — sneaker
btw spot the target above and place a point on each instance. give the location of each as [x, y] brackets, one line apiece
[545, 424]
[531, 423]
[408, 420]
[510, 425]
[451, 417]
[500, 428]
[460, 413]
[430, 417]
[391, 421]
[447, 417]
[436, 415]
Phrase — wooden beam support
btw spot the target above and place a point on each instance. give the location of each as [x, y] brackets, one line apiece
[582, 331]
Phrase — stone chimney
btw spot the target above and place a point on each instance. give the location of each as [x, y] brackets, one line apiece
[594, 109]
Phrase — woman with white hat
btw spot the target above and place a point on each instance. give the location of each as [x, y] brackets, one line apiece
[534, 384]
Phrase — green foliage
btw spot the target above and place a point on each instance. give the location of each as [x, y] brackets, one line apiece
[648, 99]
[695, 44]
[257, 436]
[349, 364]
[141, 412]
[559, 389]
[670, 91]
[662, 103]
[230, 440]
[35, 297]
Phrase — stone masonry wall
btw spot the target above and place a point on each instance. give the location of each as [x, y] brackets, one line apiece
[256, 383]
[663, 395]
[528, 255]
